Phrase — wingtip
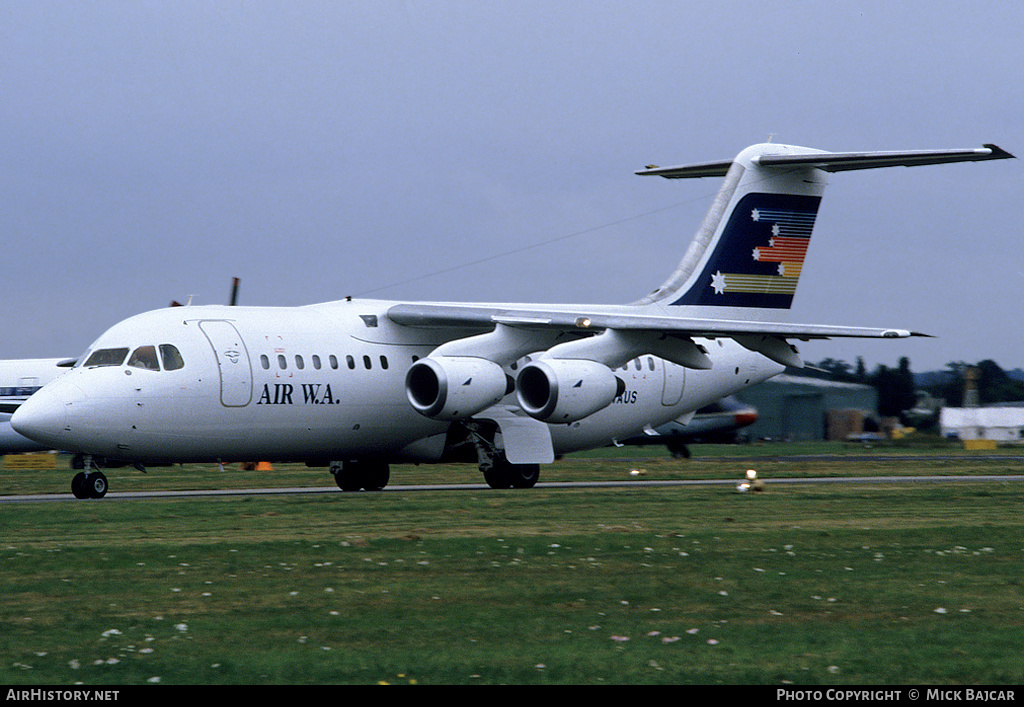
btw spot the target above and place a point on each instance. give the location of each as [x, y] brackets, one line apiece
[998, 153]
[903, 334]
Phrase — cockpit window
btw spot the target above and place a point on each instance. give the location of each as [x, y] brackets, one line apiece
[144, 357]
[107, 357]
[172, 357]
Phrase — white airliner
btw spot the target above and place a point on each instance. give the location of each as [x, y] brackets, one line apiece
[359, 384]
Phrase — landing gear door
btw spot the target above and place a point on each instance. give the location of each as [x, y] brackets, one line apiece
[232, 362]
[526, 441]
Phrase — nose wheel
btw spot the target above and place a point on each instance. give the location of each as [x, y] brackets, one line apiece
[89, 485]
[90, 482]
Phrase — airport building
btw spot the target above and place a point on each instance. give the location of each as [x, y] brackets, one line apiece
[1002, 424]
[803, 409]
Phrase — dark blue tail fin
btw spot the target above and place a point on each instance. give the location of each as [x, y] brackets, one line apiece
[758, 257]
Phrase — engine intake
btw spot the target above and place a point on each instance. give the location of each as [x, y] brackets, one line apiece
[455, 387]
[566, 390]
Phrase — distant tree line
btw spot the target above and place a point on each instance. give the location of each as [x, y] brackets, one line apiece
[993, 383]
[897, 387]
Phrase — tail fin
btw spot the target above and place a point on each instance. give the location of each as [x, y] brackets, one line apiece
[749, 251]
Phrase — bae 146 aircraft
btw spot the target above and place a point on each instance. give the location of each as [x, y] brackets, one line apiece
[356, 385]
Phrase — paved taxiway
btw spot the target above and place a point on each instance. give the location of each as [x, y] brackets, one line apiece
[295, 491]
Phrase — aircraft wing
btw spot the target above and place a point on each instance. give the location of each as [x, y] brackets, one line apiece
[627, 335]
[587, 322]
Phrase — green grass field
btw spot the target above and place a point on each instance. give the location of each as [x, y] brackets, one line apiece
[803, 584]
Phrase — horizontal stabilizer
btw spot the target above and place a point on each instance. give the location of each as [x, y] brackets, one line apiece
[837, 161]
[844, 161]
[701, 169]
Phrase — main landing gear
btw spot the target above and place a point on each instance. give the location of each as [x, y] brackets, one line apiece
[499, 473]
[361, 475]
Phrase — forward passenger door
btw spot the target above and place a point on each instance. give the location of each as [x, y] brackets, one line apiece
[232, 362]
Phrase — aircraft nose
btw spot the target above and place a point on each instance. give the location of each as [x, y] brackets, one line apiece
[43, 417]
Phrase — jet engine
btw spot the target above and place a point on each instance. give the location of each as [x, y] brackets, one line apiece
[455, 387]
[566, 390]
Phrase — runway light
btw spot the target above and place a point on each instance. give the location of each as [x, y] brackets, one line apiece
[638, 472]
[751, 484]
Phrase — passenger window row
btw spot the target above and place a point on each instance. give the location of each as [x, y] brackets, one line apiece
[299, 362]
[22, 391]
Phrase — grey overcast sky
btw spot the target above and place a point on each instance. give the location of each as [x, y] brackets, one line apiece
[484, 151]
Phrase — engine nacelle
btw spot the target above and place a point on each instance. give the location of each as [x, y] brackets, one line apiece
[566, 390]
[455, 387]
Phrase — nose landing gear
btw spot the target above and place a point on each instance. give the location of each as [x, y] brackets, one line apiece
[90, 482]
[89, 485]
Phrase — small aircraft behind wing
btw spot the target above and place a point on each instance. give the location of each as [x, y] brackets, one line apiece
[20, 378]
[718, 422]
[357, 385]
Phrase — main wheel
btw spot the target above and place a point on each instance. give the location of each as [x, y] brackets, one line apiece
[376, 476]
[524, 476]
[356, 475]
[344, 478]
[503, 474]
[498, 476]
